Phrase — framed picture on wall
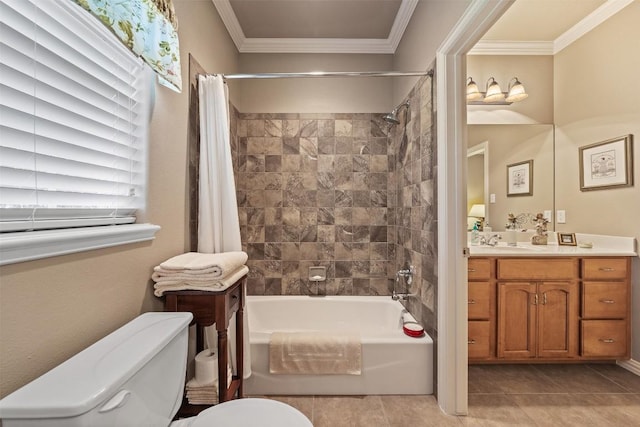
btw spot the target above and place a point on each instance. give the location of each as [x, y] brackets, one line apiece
[520, 179]
[607, 164]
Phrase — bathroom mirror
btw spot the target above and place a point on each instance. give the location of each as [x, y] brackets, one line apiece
[511, 145]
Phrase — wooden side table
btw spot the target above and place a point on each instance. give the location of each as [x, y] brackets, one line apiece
[209, 308]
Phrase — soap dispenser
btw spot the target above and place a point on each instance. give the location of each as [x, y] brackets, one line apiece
[475, 234]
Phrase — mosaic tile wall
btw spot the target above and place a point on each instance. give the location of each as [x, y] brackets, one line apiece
[316, 190]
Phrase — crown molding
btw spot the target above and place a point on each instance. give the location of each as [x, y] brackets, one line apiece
[318, 45]
[496, 47]
[400, 23]
[591, 21]
[230, 21]
[281, 45]
[588, 23]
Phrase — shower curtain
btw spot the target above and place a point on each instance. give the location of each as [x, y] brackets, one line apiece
[218, 222]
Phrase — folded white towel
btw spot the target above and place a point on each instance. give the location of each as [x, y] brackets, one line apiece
[216, 285]
[199, 263]
[205, 394]
[185, 277]
[160, 272]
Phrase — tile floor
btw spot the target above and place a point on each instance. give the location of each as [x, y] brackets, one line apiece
[499, 395]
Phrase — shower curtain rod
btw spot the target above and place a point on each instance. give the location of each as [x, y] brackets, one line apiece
[327, 74]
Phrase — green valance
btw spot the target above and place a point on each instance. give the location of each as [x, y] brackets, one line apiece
[148, 28]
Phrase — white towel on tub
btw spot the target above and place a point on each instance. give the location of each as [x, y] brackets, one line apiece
[315, 353]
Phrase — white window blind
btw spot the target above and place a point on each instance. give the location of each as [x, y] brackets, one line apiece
[74, 107]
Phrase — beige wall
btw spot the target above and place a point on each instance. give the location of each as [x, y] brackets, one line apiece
[596, 98]
[534, 72]
[53, 308]
[314, 95]
[510, 144]
[431, 22]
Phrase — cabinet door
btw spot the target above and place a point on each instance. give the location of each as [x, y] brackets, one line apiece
[558, 304]
[517, 304]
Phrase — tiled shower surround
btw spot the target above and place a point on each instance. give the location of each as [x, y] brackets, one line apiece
[346, 191]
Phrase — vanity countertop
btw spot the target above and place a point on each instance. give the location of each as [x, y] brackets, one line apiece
[602, 246]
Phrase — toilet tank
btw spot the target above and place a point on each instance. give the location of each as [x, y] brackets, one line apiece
[132, 377]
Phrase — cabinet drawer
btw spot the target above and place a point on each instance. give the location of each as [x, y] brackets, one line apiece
[604, 300]
[479, 300]
[479, 268]
[534, 269]
[605, 338]
[233, 299]
[605, 268]
[479, 339]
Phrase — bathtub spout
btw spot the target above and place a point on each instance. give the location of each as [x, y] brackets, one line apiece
[402, 296]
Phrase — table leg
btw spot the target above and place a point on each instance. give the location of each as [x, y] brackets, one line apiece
[222, 364]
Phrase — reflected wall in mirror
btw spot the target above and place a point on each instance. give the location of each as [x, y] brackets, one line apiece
[509, 144]
[477, 181]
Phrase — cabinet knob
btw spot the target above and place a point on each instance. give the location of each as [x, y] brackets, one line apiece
[471, 270]
[606, 269]
[471, 342]
[472, 301]
[607, 340]
[607, 301]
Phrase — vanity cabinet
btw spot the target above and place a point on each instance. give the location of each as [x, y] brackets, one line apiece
[548, 309]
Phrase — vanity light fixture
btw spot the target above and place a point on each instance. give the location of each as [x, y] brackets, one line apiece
[516, 91]
[473, 93]
[494, 94]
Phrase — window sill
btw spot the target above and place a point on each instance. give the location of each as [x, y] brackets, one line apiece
[27, 246]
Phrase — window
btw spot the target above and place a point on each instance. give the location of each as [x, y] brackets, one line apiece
[74, 111]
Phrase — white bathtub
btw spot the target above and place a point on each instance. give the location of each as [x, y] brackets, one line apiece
[392, 363]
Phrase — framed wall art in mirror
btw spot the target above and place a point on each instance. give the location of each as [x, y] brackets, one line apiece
[520, 179]
[607, 164]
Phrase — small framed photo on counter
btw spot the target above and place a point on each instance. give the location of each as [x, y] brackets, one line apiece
[567, 239]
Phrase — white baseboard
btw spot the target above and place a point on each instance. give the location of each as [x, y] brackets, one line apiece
[630, 365]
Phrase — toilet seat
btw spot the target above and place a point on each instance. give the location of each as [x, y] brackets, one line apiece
[251, 412]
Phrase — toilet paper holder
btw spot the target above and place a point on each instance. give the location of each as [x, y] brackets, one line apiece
[317, 274]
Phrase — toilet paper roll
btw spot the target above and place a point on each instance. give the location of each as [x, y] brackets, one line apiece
[206, 367]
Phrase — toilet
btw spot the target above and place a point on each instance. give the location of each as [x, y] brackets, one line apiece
[133, 377]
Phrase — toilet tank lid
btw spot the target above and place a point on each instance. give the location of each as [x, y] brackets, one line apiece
[94, 375]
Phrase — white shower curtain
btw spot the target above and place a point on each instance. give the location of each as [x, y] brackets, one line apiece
[218, 223]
